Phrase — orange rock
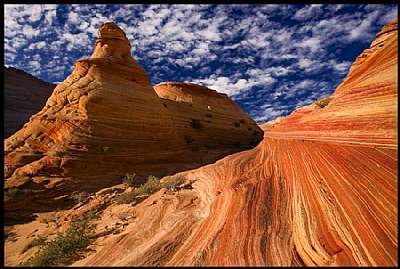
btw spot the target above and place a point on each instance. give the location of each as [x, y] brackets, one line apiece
[319, 190]
[105, 120]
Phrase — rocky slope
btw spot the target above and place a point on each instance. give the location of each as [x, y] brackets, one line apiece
[321, 189]
[24, 96]
[106, 120]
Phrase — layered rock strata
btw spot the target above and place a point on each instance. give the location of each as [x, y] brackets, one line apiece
[24, 96]
[105, 120]
[320, 190]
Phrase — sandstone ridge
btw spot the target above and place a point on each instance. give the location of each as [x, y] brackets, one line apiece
[24, 96]
[319, 190]
[106, 120]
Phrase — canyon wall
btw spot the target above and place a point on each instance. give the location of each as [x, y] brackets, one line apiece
[24, 96]
[319, 190]
[106, 120]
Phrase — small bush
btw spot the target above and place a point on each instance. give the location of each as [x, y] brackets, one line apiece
[151, 186]
[12, 192]
[323, 102]
[129, 180]
[37, 242]
[76, 237]
[237, 124]
[196, 124]
[195, 148]
[173, 182]
[242, 121]
[79, 197]
[188, 139]
[59, 153]
[165, 104]
[106, 149]
[209, 115]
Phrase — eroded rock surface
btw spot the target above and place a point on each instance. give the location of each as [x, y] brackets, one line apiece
[105, 120]
[320, 190]
[24, 96]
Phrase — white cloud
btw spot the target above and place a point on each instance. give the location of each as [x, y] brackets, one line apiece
[307, 12]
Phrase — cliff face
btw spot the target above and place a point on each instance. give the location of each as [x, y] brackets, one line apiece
[104, 121]
[24, 96]
[320, 189]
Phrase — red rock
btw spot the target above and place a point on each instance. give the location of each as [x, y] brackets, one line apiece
[319, 190]
[105, 120]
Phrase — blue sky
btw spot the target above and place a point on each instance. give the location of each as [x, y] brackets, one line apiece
[270, 59]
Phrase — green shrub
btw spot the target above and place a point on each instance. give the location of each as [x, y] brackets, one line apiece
[151, 186]
[59, 153]
[173, 182]
[196, 124]
[106, 149]
[323, 102]
[12, 192]
[38, 241]
[129, 180]
[237, 124]
[76, 237]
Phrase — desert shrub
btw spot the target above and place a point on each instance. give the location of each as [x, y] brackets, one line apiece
[242, 121]
[165, 104]
[79, 196]
[129, 180]
[173, 182]
[323, 102]
[196, 124]
[12, 192]
[237, 124]
[106, 149]
[59, 153]
[151, 186]
[195, 148]
[188, 139]
[37, 242]
[76, 237]
[209, 115]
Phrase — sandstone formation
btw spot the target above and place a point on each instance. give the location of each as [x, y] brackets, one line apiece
[105, 120]
[24, 96]
[319, 190]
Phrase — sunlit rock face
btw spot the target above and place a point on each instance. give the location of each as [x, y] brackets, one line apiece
[319, 190]
[24, 96]
[104, 121]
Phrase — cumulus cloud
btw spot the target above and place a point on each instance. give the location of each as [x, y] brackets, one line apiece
[282, 55]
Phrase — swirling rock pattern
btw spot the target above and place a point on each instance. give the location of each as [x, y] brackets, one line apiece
[319, 190]
[105, 120]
